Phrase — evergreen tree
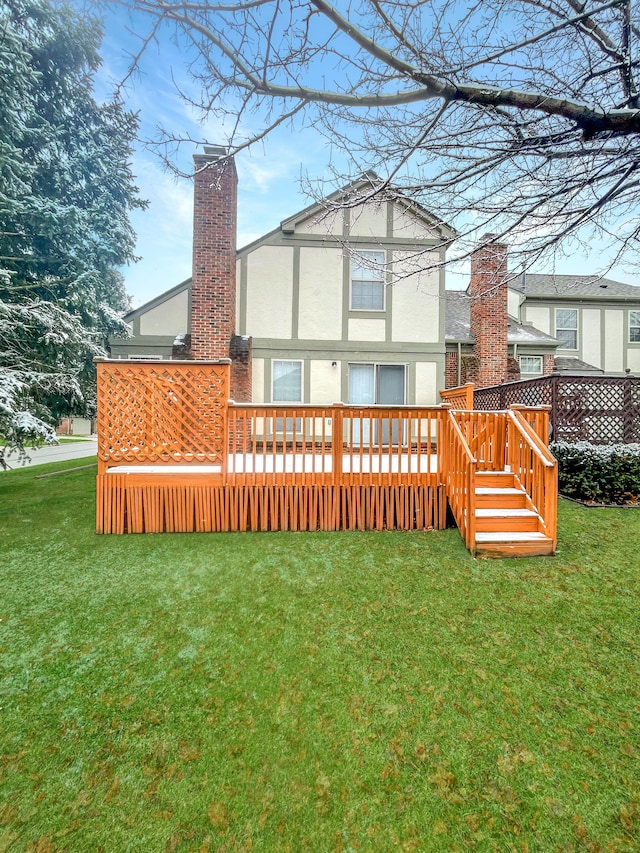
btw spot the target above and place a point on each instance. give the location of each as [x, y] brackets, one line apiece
[66, 191]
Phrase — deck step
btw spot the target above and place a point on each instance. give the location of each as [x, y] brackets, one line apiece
[508, 536]
[496, 479]
[505, 512]
[497, 490]
[489, 497]
[508, 543]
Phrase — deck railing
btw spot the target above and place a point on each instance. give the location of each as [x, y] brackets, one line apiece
[485, 434]
[535, 468]
[332, 445]
[459, 473]
[460, 397]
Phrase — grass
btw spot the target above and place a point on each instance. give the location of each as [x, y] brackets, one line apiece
[312, 691]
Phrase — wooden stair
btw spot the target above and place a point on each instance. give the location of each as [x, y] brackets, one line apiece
[506, 523]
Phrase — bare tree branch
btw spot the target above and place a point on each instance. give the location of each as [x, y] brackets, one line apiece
[517, 115]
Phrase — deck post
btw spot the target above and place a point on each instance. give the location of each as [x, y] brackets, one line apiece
[337, 439]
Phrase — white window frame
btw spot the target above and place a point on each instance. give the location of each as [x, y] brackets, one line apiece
[283, 427]
[368, 268]
[634, 327]
[538, 358]
[566, 328]
[273, 378]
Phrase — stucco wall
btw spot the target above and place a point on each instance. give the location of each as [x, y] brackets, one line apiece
[416, 302]
[168, 318]
[406, 225]
[539, 316]
[615, 333]
[367, 330]
[324, 381]
[320, 294]
[426, 376]
[368, 220]
[513, 303]
[591, 336]
[270, 292]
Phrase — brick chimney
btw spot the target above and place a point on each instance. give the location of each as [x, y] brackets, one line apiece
[213, 287]
[213, 284]
[489, 311]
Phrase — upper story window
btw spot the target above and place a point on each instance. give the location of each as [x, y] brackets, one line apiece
[634, 327]
[286, 379]
[530, 365]
[567, 327]
[367, 281]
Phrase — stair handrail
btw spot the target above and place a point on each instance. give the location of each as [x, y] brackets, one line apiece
[541, 486]
[460, 485]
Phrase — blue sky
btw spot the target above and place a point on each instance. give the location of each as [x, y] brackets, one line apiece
[271, 176]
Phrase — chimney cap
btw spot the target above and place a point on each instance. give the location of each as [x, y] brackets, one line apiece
[490, 238]
[215, 151]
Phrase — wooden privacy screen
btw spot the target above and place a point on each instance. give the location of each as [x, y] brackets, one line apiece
[161, 413]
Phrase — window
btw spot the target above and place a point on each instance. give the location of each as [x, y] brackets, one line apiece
[367, 281]
[634, 327]
[530, 365]
[286, 381]
[567, 327]
[286, 378]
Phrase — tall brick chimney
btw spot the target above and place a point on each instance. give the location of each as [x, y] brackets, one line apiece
[213, 287]
[489, 309]
[213, 278]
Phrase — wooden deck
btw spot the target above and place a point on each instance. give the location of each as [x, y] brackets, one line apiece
[175, 455]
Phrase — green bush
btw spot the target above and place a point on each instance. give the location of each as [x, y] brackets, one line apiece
[607, 474]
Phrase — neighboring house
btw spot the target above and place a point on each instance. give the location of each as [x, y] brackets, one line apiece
[335, 304]
[530, 352]
[596, 320]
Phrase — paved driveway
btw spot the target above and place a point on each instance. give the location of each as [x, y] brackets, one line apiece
[53, 453]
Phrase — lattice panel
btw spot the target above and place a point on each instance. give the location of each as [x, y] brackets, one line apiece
[599, 409]
[162, 412]
[531, 392]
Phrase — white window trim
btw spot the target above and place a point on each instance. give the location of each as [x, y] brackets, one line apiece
[540, 361]
[288, 361]
[362, 255]
[635, 325]
[568, 329]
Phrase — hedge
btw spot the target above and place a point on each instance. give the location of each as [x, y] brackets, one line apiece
[608, 474]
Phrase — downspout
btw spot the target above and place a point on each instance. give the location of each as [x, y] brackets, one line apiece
[459, 364]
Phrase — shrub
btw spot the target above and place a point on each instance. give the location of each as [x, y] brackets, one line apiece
[601, 473]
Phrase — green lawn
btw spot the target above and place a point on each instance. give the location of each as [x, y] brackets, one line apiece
[312, 691]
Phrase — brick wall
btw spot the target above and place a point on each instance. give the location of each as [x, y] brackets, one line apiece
[488, 292]
[451, 370]
[548, 364]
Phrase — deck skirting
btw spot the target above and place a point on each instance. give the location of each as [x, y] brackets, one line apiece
[131, 503]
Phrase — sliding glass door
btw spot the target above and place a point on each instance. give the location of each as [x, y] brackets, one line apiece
[383, 384]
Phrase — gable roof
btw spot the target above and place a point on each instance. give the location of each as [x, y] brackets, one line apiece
[534, 285]
[356, 192]
[457, 323]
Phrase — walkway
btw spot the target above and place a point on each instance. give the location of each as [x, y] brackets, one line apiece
[53, 453]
